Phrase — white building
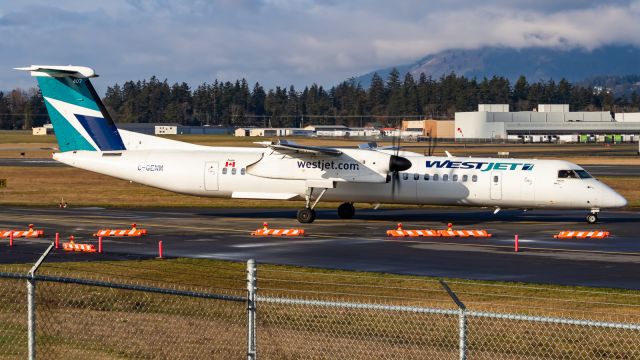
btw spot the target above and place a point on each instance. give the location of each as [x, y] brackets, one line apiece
[329, 130]
[272, 132]
[43, 130]
[364, 132]
[494, 121]
[166, 130]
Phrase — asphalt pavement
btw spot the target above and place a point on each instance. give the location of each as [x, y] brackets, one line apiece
[357, 244]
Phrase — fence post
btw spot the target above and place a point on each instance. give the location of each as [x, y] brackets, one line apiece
[462, 333]
[31, 304]
[462, 321]
[251, 310]
[31, 316]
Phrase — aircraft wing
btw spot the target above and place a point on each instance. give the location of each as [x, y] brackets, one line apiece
[291, 146]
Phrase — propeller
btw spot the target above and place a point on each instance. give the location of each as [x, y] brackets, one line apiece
[397, 163]
[433, 143]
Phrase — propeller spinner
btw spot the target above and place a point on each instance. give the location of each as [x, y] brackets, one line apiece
[396, 164]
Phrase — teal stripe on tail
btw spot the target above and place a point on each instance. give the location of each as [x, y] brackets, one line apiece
[77, 114]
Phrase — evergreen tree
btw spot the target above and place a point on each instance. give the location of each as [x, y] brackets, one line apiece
[377, 99]
[394, 90]
[5, 113]
[411, 104]
[521, 94]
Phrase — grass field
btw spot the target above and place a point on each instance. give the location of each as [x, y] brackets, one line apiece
[94, 322]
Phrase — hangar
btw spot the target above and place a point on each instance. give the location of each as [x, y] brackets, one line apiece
[551, 122]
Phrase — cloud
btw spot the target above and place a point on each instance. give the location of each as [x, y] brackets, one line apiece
[282, 42]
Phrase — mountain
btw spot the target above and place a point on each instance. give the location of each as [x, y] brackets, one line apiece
[536, 63]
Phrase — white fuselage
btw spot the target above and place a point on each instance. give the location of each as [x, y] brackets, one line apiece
[258, 173]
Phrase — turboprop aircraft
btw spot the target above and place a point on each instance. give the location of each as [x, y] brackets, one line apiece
[281, 170]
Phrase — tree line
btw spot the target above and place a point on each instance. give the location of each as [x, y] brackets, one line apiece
[236, 104]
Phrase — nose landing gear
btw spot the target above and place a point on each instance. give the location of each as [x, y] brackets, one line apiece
[592, 218]
[308, 215]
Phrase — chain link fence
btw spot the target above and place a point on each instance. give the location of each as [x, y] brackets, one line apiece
[286, 313]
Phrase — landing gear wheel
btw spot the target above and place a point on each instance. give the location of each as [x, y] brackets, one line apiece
[346, 211]
[306, 215]
[592, 218]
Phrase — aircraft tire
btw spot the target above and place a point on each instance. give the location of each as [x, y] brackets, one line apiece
[306, 216]
[592, 218]
[346, 211]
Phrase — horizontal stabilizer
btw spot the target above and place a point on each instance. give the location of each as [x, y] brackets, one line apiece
[80, 72]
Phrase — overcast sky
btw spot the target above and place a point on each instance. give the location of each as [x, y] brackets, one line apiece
[283, 42]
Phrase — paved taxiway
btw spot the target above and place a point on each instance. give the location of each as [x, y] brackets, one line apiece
[357, 244]
[597, 170]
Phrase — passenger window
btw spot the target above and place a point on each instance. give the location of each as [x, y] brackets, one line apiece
[465, 178]
[426, 177]
[233, 171]
[454, 177]
[243, 171]
[495, 179]
[474, 178]
[405, 176]
[445, 177]
[435, 177]
[224, 171]
[416, 176]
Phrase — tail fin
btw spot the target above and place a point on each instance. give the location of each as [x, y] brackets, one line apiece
[79, 118]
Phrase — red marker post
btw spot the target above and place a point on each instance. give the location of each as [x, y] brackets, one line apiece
[100, 244]
[159, 249]
[11, 239]
[516, 243]
[57, 240]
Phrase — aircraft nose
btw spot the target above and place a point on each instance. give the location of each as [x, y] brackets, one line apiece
[614, 200]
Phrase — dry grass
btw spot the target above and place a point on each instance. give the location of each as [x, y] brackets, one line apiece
[294, 281]
[107, 323]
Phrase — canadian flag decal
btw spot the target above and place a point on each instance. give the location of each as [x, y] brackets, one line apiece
[230, 164]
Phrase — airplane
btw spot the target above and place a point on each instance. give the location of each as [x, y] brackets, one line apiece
[280, 170]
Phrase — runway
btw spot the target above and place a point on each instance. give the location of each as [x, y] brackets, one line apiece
[358, 244]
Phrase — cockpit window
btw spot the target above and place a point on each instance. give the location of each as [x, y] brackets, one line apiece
[583, 174]
[567, 174]
[573, 174]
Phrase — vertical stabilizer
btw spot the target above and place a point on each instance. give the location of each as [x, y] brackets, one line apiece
[77, 114]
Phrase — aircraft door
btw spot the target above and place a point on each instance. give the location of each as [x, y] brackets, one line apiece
[528, 189]
[496, 185]
[211, 176]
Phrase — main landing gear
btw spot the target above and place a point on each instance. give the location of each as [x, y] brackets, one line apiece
[592, 218]
[308, 215]
[346, 210]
